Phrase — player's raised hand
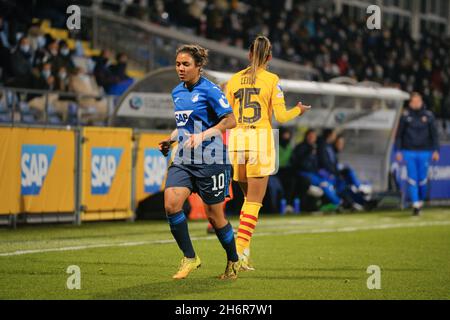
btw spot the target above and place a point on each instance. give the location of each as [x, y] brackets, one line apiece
[164, 147]
[303, 107]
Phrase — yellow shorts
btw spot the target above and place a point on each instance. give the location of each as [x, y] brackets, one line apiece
[252, 153]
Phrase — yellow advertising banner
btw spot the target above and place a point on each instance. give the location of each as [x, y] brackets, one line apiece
[38, 170]
[151, 166]
[106, 173]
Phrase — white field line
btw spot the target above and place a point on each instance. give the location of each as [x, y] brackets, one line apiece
[257, 234]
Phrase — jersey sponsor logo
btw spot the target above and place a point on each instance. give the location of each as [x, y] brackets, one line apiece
[224, 103]
[182, 117]
[195, 97]
[155, 167]
[35, 162]
[104, 164]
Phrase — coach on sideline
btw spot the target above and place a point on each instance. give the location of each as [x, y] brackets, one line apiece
[417, 143]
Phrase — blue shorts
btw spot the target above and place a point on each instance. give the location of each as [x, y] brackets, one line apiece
[211, 182]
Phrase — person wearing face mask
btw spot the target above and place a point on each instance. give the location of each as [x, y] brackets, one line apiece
[65, 57]
[21, 63]
[47, 53]
[62, 79]
[43, 80]
[417, 144]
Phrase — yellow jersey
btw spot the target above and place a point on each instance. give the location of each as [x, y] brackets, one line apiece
[253, 105]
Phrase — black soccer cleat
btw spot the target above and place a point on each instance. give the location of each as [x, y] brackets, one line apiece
[416, 212]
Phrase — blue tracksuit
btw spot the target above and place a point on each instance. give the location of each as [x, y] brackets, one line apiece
[417, 138]
[304, 160]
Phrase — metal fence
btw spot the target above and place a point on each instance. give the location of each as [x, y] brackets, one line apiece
[44, 107]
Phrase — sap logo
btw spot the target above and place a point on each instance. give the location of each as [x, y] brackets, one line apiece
[182, 117]
[195, 97]
[155, 167]
[35, 162]
[224, 102]
[104, 164]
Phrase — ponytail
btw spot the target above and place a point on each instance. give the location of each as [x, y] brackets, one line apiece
[260, 50]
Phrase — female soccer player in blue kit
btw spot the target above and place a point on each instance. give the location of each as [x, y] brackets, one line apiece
[202, 114]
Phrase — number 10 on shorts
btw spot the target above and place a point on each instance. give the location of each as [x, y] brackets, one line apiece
[218, 182]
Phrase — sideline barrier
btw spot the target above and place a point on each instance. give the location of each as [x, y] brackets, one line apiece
[38, 170]
[106, 173]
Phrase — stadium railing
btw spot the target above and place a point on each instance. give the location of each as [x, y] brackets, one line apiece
[44, 107]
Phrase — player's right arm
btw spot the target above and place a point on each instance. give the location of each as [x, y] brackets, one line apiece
[164, 146]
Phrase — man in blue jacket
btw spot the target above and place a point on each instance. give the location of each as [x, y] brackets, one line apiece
[417, 143]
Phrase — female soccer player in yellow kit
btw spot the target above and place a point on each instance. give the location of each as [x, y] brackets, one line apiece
[255, 94]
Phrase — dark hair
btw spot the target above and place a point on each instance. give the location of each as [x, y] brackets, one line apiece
[198, 53]
[326, 133]
[308, 132]
[415, 94]
[260, 50]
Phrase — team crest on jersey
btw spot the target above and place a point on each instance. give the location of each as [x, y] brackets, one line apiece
[182, 117]
[280, 91]
[195, 97]
[223, 102]
[424, 119]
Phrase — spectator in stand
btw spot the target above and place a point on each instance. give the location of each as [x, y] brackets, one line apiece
[5, 63]
[119, 72]
[21, 64]
[49, 54]
[119, 69]
[62, 80]
[95, 107]
[102, 72]
[45, 79]
[64, 58]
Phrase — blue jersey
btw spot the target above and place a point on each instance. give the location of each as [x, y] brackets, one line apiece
[197, 109]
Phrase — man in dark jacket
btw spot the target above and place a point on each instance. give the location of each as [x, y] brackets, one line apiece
[21, 63]
[417, 144]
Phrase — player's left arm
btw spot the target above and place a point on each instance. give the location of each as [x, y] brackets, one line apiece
[279, 106]
[434, 138]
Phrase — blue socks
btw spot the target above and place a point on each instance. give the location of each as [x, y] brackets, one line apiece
[226, 238]
[179, 229]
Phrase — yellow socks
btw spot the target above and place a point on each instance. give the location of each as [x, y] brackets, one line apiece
[248, 219]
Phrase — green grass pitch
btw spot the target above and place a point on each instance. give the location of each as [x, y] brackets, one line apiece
[296, 257]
